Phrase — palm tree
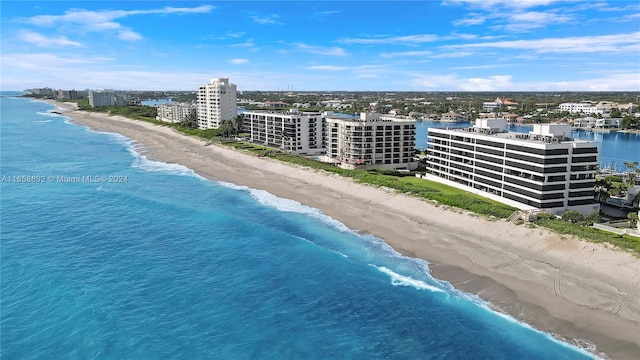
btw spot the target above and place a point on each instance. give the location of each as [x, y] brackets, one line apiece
[227, 128]
[630, 175]
[238, 124]
[285, 137]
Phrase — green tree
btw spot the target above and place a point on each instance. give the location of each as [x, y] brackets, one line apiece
[238, 124]
[616, 113]
[630, 175]
[573, 216]
[285, 138]
[191, 120]
[591, 218]
[227, 128]
[603, 185]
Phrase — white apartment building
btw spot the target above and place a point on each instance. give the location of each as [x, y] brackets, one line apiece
[216, 101]
[582, 107]
[175, 113]
[544, 169]
[595, 123]
[102, 98]
[585, 122]
[371, 141]
[608, 123]
[292, 131]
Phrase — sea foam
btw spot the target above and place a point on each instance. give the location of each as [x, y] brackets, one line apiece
[401, 280]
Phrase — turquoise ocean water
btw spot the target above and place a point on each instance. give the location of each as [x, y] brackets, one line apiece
[147, 260]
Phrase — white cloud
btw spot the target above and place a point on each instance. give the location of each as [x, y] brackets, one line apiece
[267, 20]
[47, 61]
[248, 44]
[323, 14]
[492, 4]
[395, 40]
[605, 82]
[453, 54]
[129, 35]
[630, 17]
[481, 67]
[621, 81]
[319, 50]
[327, 68]
[585, 44]
[472, 19]
[406, 54]
[103, 20]
[238, 61]
[452, 82]
[43, 41]
[525, 21]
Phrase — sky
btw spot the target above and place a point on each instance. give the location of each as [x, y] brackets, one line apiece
[445, 45]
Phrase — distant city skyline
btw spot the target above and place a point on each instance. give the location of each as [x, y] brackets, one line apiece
[449, 45]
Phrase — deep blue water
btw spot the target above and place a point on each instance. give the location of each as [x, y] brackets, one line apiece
[614, 148]
[167, 265]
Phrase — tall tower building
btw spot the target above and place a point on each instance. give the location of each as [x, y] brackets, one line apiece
[216, 102]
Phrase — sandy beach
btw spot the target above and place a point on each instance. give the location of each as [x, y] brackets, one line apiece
[582, 292]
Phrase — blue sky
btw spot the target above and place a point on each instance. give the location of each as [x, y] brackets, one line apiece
[448, 45]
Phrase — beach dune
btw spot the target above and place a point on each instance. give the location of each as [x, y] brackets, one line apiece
[585, 293]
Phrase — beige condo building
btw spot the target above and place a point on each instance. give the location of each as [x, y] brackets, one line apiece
[217, 101]
[371, 141]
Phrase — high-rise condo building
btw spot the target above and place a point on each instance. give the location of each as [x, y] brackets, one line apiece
[216, 102]
[544, 169]
[102, 98]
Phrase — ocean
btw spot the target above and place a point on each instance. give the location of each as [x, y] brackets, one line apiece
[106, 254]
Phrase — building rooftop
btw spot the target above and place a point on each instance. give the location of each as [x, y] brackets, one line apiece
[541, 133]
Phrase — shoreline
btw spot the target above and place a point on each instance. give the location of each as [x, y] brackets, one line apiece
[574, 290]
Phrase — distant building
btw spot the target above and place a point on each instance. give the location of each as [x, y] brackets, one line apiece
[585, 122]
[498, 103]
[102, 98]
[44, 92]
[292, 131]
[511, 118]
[492, 105]
[216, 102]
[608, 123]
[371, 141]
[544, 169]
[67, 94]
[452, 117]
[175, 113]
[276, 105]
[588, 107]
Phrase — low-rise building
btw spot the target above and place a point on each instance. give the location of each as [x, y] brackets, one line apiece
[585, 122]
[452, 117]
[175, 113]
[544, 169]
[608, 123]
[371, 141]
[292, 131]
